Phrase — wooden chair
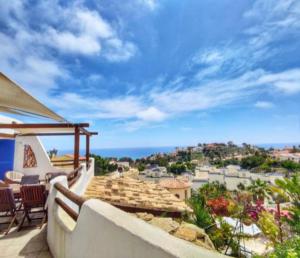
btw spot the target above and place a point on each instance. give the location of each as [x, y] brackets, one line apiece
[8, 207]
[34, 201]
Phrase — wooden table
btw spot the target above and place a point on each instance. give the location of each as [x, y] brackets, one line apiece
[30, 180]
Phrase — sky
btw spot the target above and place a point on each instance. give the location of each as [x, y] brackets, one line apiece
[159, 72]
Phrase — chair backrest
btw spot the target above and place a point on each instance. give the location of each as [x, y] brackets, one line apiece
[33, 196]
[7, 200]
[14, 175]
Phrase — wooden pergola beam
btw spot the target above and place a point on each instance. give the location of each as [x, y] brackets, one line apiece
[79, 129]
[76, 146]
[7, 135]
[87, 149]
[56, 134]
[29, 126]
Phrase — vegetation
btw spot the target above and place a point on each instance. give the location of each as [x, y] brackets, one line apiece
[259, 190]
[269, 227]
[221, 236]
[224, 163]
[103, 165]
[180, 167]
[217, 152]
[52, 153]
[290, 189]
[202, 218]
[290, 166]
[253, 161]
[213, 200]
[213, 190]
[126, 159]
[177, 168]
[289, 249]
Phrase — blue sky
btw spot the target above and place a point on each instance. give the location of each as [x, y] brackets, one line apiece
[160, 73]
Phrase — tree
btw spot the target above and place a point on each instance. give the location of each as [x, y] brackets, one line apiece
[177, 168]
[103, 165]
[126, 159]
[253, 161]
[141, 167]
[267, 224]
[241, 186]
[259, 190]
[289, 249]
[213, 190]
[219, 206]
[52, 153]
[290, 165]
[202, 217]
[290, 189]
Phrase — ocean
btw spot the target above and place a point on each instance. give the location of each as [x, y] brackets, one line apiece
[140, 152]
[134, 153]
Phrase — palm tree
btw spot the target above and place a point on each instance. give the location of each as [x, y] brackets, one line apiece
[259, 190]
[289, 189]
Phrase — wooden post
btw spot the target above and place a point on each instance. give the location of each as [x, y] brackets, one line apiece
[76, 146]
[87, 150]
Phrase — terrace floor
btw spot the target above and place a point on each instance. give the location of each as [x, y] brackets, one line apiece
[29, 243]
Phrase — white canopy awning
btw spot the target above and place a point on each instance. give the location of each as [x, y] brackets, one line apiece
[251, 230]
[13, 99]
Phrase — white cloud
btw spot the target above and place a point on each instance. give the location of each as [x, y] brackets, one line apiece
[128, 107]
[289, 87]
[160, 104]
[70, 43]
[264, 104]
[211, 57]
[28, 67]
[287, 82]
[275, 18]
[28, 42]
[95, 77]
[206, 72]
[75, 29]
[205, 96]
[151, 114]
[86, 32]
[118, 51]
[151, 4]
[91, 23]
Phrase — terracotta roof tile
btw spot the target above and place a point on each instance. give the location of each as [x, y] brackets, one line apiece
[128, 192]
[175, 183]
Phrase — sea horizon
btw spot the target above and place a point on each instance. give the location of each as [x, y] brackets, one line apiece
[140, 152]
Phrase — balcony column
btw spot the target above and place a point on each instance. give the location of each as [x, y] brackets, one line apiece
[87, 150]
[76, 146]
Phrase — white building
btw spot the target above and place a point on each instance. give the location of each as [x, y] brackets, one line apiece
[155, 171]
[231, 176]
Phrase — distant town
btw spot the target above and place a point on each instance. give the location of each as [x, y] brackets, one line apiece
[227, 163]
